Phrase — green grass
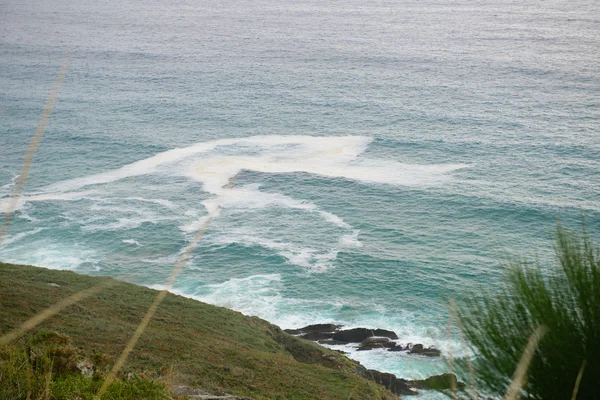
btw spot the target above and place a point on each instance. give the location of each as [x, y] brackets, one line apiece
[200, 345]
[564, 297]
[45, 366]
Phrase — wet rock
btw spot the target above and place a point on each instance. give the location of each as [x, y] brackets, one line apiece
[421, 350]
[293, 331]
[315, 336]
[397, 347]
[332, 342]
[355, 335]
[386, 333]
[389, 381]
[438, 382]
[376, 343]
[320, 328]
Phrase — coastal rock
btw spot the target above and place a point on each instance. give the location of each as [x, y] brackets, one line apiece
[355, 335]
[320, 328]
[385, 333]
[397, 347]
[86, 368]
[424, 351]
[395, 385]
[332, 342]
[438, 382]
[376, 343]
[318, 332]
[315, 336]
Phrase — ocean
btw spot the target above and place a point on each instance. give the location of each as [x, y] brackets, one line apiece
[361, 162]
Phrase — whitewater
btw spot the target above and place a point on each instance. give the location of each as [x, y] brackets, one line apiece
[359, 163]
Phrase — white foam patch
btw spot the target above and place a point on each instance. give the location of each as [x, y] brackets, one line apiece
[325, 156]
[119, 224]
[5, 204]
[334, 157]
[132, 241]
[216, 170]
[351, 240]
[109, 217]
[251, 198]
[7, 188]
[162, 202]
[50, 255]
[247, 295]
[195, 225]
[310, 259]
[19, 236]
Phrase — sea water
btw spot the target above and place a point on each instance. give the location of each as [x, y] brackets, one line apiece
[357, 162]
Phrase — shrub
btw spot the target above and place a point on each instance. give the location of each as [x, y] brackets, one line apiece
[565, 298]
[44, 366]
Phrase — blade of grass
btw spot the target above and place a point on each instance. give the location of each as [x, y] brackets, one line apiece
[578, 380]
[518, 379]
[32, 149]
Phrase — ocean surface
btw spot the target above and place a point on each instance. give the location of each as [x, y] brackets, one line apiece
[361, 162]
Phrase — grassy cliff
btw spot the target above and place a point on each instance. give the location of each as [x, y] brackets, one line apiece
[187, 343]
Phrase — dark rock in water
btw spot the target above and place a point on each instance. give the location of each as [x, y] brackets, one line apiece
[376, 340]
[429, 351]
[293, 331]
[314, 336]
[396, 348]
[320, 328]
[376, 343]
[356, 335]
[386, 333]
[389, 381]
[438, 382]
[332, 342]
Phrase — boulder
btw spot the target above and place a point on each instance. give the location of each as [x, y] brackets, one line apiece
[386, 333]
[421, 350]
[332, 342]
[320, 328]
[314, 336]
[389, 381]
[438, 382]
[396, 348]
[376, 343]
[355, 335]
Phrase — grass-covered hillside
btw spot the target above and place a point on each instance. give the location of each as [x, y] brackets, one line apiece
[187, 342]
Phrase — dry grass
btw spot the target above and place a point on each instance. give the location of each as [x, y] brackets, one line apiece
[520, 376]
[578, 380]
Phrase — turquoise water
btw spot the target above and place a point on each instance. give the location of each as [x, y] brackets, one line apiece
[362, 162]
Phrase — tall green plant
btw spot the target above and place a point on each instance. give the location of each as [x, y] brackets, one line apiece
[564, 297]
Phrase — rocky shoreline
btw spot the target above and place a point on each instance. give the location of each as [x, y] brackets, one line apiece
[368, 339]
